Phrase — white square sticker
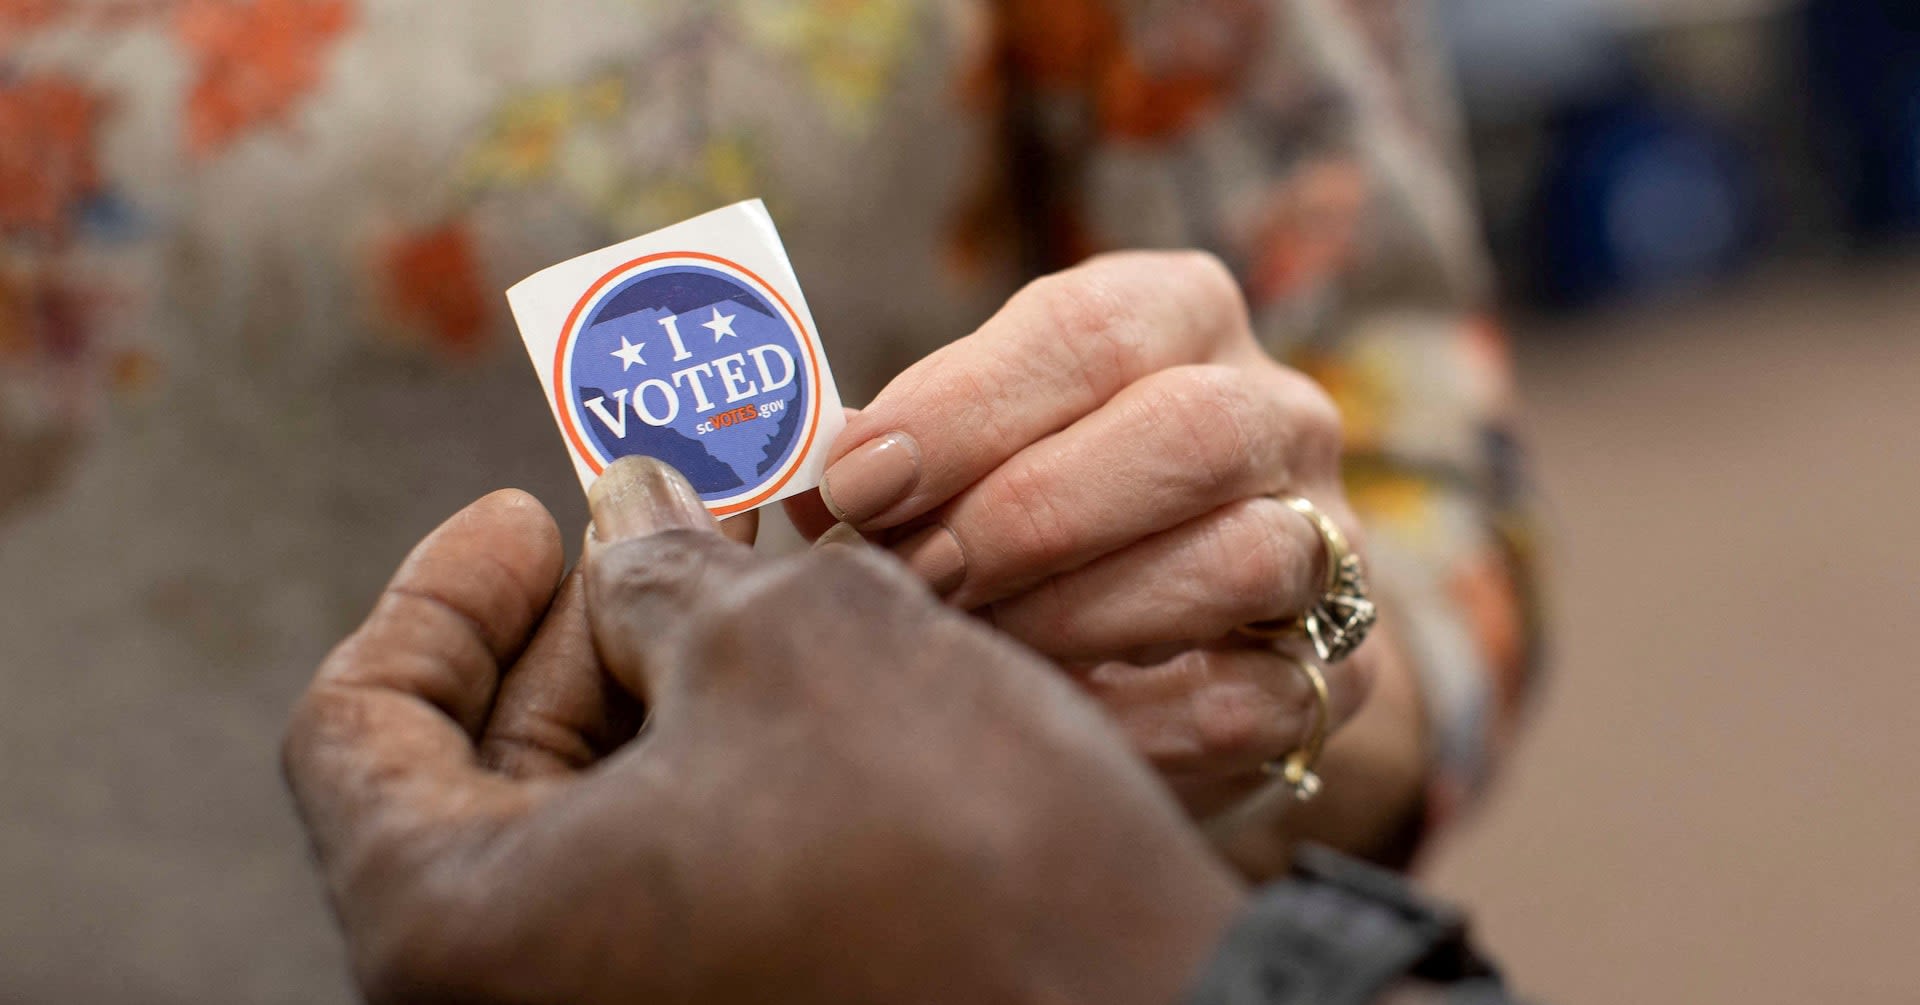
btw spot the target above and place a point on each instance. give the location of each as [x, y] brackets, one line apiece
[693, 345]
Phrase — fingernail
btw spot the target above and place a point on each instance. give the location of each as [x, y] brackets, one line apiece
[638, 496]
[867, 482]
[840, 533]
[934, 555]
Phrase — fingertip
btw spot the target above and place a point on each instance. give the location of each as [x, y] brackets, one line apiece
[935, 555]
[742, 529]
[809, 514]
[840, 534]
[513, 498]
[518, 501]
[638, 496]
[523, 517]
[872, 479]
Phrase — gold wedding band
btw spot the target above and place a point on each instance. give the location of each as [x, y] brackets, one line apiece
[1344, 614]
[1296, 769]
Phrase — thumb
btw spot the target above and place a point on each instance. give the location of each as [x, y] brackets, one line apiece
[654, 554]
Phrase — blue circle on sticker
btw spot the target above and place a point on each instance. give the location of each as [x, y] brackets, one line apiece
[694, 360]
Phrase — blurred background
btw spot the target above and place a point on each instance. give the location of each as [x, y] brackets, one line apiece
[1703, 212]
[1706, 215]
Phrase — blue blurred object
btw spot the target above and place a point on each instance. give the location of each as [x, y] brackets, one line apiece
[1642, 196]
[1513, 58]
[1863, 62]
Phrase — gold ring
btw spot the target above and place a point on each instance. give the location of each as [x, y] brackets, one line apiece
[1344, 614]
[1296, 769]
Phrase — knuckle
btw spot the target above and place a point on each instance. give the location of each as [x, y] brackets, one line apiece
[1079, 302]
[1203, 286]
[1203, 274]
[1094, 316]
[1091, 323]
[630, 571]
[1313, 420]
[678, 574]
[1198, 282]
[733, 622]
[322, 718]
[1212, 280]
[1204, 413]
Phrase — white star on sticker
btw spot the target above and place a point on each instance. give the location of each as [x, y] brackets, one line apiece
[628, 354]
[722, 324]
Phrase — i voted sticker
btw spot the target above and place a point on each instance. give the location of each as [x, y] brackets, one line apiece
[692, 345]
[726, 397]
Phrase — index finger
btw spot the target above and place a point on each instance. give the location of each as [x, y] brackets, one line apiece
[386, 731]
[1058, 350]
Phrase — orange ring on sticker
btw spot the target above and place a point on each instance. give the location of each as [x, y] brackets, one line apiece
[568, 334]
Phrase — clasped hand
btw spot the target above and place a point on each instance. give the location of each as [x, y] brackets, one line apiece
[1099, 471]
[843, 792]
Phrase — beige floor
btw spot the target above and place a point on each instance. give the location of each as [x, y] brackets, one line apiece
[1716, 804]
[1718, 801]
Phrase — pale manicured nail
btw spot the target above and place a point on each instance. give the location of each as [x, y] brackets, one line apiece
[934, 555]
[869, 481]
[638, 496]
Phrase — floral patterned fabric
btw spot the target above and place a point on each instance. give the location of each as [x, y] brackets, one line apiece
[251, 254]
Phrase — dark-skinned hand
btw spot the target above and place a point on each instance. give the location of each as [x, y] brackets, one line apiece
[844, 792]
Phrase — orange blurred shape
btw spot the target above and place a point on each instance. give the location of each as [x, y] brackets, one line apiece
[1306, 230]
[1083, 45]
[1488, 597]
[132, 370]
[47, 156]
[255, 60]
[433, 282]
[1082, 51]
[17, 17]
